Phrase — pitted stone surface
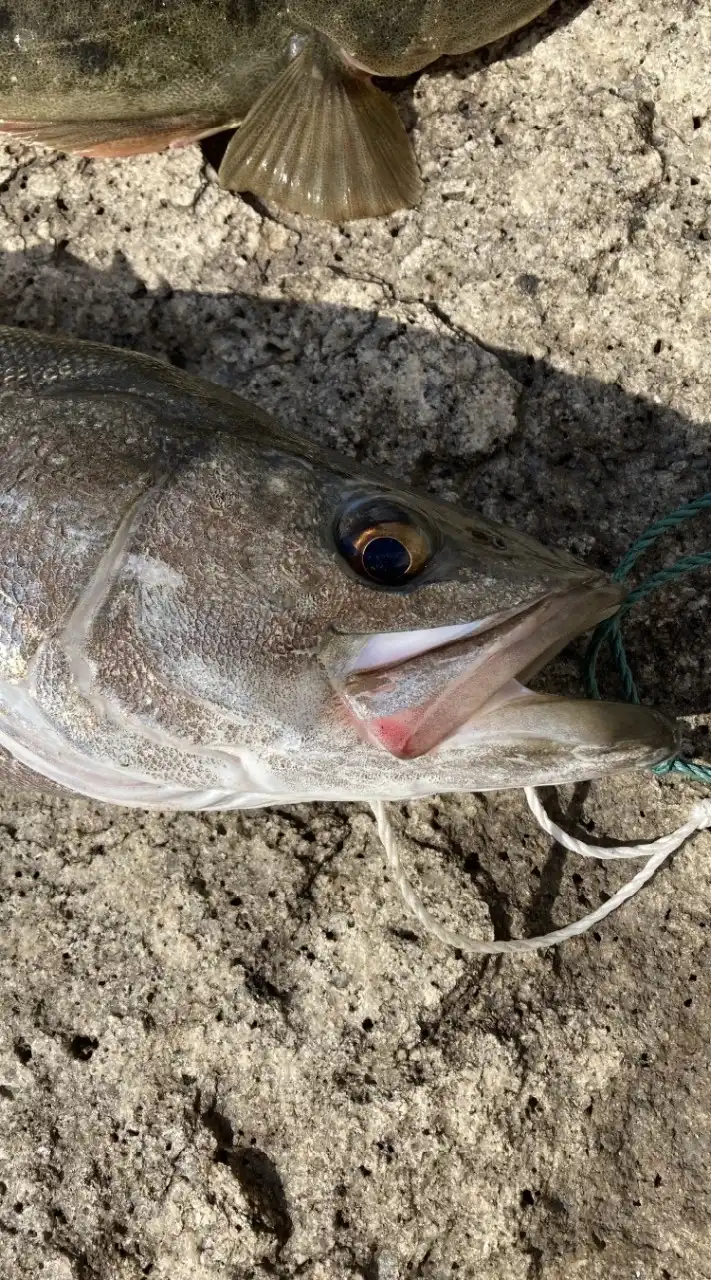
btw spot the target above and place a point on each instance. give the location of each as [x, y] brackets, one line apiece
[225, 1052]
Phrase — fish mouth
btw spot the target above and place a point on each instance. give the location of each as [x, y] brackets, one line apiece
[413, 692]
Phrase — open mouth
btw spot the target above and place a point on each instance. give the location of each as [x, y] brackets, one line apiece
[410, 692]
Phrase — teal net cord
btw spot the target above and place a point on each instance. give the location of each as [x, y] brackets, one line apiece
[609, 632]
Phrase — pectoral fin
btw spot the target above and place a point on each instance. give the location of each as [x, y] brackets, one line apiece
[17, 777]
[322, 140]
[111, 138]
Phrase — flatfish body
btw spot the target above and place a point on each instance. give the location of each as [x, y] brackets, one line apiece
[316, 136]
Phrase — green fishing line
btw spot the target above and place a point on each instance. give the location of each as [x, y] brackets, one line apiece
[609, 632]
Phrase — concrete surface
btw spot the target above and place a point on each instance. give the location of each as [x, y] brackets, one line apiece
[224, 1051]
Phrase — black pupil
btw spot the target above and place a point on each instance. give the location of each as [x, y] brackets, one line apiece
[386, 560]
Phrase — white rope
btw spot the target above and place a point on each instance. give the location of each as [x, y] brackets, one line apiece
[656, 853]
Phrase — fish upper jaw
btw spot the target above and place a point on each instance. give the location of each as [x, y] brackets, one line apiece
[410, 692]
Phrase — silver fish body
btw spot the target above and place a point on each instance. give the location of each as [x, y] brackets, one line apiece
[198, 610]
[316, 136]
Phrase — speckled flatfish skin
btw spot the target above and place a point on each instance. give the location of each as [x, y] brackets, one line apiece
[398, 39]
[84, 59]
[116, 77]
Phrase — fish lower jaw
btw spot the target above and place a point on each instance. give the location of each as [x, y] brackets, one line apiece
[466, 673]
[397, 734]
[601, 737]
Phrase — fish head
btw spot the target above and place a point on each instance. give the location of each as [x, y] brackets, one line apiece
[365, 621]
[210, 612]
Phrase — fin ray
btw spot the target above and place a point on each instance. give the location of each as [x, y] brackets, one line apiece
[322, 140]
[114, 137]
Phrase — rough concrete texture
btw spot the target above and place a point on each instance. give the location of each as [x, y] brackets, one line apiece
[225, 1051]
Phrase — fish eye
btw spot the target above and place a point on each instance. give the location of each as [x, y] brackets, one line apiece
[384, 542]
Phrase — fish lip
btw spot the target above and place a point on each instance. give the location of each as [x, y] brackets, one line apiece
[537, 630]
